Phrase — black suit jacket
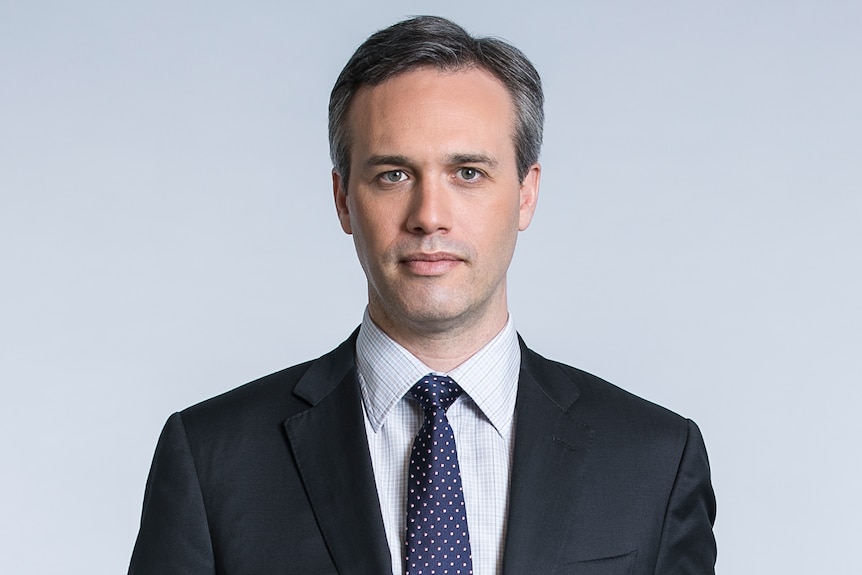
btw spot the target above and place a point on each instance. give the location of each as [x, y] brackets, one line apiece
[275, 477]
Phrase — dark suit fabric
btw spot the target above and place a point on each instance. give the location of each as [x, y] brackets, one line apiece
[275, 477]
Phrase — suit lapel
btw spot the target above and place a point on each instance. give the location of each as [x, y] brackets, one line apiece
[331, 451]
[551, 451]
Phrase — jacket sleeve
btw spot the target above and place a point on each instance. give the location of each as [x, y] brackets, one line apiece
[174, 534]
[687, 541]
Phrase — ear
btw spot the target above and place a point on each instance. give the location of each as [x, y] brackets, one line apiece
[340, 194]
[529, 196]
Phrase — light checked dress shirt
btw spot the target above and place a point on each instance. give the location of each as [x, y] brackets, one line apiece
[481, 419]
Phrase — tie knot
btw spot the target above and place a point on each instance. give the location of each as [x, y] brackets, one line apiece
[435, 392]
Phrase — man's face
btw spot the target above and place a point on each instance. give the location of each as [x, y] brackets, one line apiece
[434, 201]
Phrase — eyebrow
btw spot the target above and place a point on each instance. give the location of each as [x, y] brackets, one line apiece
[395, 160]
[386, 161]
[473, 159]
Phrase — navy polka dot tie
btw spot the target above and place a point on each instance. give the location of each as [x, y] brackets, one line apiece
[437, 540]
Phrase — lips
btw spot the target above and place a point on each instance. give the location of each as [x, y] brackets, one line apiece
[432, 257]
[431, 264]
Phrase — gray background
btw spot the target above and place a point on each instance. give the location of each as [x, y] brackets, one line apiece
[167, 233]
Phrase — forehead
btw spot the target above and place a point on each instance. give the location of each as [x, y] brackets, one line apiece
[428, 108]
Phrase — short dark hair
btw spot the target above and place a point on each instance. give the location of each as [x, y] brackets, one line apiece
[431, 41]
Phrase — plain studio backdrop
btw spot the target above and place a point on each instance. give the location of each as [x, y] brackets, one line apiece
[167, 233]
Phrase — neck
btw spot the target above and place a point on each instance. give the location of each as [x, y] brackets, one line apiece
[443, 348]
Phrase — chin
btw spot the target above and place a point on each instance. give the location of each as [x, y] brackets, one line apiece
[430, 308]
[436, 314]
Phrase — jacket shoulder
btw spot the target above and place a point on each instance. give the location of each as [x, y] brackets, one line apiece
[275, 397]
[602, 403]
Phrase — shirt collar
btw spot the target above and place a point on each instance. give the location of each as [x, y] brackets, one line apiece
[387, 371]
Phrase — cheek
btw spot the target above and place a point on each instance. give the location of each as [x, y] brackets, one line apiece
[500, 234]
[503, 219]
[374, 230]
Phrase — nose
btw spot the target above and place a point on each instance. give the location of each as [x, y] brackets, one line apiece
[430, 207]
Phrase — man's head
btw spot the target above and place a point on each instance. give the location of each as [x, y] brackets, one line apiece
[433, 42]
[439, 181]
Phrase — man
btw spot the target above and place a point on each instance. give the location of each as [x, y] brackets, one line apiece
[432, 440]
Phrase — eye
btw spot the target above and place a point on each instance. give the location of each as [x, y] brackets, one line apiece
[469, 174]
[393, 176]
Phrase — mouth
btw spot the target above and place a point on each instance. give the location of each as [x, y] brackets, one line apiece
[431, 264]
